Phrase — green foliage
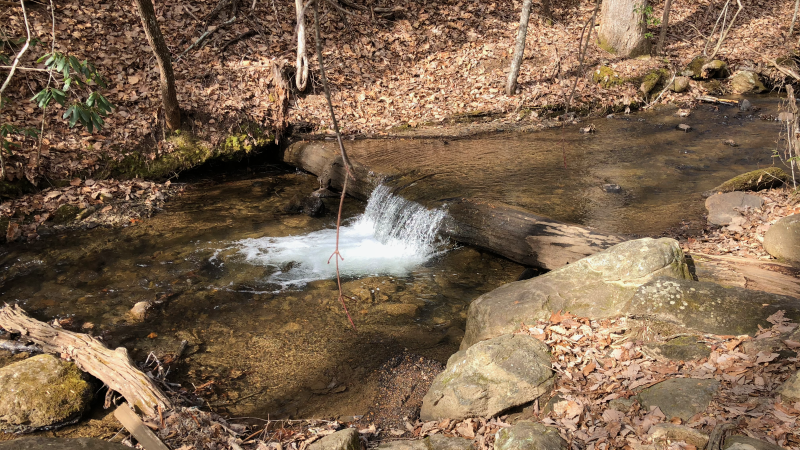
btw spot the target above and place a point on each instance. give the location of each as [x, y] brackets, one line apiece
[649, 17]
[79, 74]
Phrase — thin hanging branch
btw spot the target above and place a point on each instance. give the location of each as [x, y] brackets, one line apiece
[347, 166]
[11, 75]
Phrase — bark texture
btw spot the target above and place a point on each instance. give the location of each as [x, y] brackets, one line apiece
[112, 367]
[169, 97]
[519, 48]
[622, 27]
[664, 25]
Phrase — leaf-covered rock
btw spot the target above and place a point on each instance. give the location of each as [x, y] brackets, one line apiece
[527, 435]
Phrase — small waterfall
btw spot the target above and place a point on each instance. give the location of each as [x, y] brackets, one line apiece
[392, 237]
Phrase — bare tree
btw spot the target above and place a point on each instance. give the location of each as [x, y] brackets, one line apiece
[301, 77]
[169, 97]
[623, 27]
[794, 18]
[664, 24]
[519, 48]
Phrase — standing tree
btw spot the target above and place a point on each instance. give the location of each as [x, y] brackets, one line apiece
[519, 48]
[623, 27]
[172, 112]
[664, 24]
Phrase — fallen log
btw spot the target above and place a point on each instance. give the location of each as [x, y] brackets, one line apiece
[112, 367]
[514, 233]
[522, 236]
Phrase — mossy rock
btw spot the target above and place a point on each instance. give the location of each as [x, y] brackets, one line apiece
[715, 69]
[713, 87]
[754, 181]
[606, 77]
[42, 392]
[655, 78]
[695, 68]
[189, 152]
[65, 214]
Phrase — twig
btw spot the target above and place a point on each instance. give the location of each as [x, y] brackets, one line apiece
[26, 69]
[348, 172]
[245, 35]
[582, 51]
[11, 74]
[784, 70]
[204, 37]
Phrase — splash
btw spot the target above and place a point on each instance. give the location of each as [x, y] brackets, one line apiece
[392, 237]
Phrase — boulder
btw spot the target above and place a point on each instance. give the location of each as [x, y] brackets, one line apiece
[527, 435]
[782, 240]
[681, 84]
[488, 378]
[598, 286]
[46, 443]
[745, 82]
[747, 443]
[41, 392]
[790, 390]
[652, 79]
[662, 432]
[722, 208]
[714, 69]
[680, 397]
[756, 180]
[695, 68]
[709, 307]
[347, 439]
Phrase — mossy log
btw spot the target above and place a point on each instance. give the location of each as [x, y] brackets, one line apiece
[112, 367]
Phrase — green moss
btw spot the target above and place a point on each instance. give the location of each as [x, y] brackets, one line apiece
[602, 43]
[695, 68]
[653, 79]
[606, 77]
[65, 213]
[755, 180]
[71, 386]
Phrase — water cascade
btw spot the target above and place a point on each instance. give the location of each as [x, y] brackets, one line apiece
[392, 237]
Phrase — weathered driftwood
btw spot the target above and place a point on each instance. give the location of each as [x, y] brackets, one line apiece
[514, 233]
[522, 236]
[138, 429]
[112, 367]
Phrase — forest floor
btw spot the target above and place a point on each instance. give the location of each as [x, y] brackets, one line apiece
[395, 67]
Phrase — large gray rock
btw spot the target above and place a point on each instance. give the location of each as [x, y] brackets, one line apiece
[527, 435]
[747, 443]
[745, 82]
[680, 397]
[709, 307]
[722, 207]
[680, 84]
[790, 390]
[782, 240]
[347, 439]
[489, 378]
[46, 443]
[600, 285]
[41, 392]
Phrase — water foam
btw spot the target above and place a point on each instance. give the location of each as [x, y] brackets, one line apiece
[392, 237]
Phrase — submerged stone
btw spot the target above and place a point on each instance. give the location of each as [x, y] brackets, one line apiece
[488, 378]
[41, 392]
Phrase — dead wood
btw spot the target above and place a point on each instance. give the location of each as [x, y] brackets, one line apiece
[245, 35]
[112, 367]
[147, 439]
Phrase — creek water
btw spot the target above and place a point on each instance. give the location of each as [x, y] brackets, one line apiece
[249, 287]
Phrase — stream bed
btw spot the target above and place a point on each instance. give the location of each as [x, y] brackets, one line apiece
[248, 286]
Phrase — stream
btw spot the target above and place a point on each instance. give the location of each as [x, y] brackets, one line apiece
[249, 287]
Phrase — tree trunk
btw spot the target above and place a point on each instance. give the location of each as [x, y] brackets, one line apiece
[664, 25]
[169, 97]
[623, 27]
[794, 19]
[519, 47]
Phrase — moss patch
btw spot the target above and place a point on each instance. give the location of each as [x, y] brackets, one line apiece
[754, 181]
[653, 79]
[65, 213]
[695, 68]
[606, 77]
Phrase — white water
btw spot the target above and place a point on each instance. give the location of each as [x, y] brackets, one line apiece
[392, 237]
